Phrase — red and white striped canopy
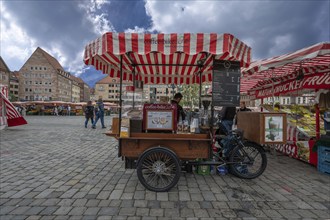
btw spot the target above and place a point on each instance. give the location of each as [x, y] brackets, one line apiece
[164, 58]
[13, 117]
[310, 60]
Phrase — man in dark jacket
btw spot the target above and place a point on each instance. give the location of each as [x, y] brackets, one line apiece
[176, 100]
[89, 113]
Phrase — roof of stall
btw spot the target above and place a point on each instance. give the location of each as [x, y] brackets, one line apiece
[306, 61]
[164, 58]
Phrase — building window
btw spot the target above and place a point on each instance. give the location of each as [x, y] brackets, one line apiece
[40, 68]
[26, 89]
[31, 67]
[44, 68]
[50, 90]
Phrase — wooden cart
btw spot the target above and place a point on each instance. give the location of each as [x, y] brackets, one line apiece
[167, 59]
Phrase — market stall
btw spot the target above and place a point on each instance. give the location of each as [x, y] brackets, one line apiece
[153, 141]
[306, 71]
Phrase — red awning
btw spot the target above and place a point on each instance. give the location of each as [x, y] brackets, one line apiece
[311, 60]
[164, 58]
[13, 117]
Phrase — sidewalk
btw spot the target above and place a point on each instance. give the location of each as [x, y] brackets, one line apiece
[55, 168]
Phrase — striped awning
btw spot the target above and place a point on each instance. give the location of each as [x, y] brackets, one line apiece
[310, 60]
[164, 58]
[13, 117]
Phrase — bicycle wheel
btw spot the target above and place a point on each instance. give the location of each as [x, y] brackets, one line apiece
[247, 161]
[158, 169]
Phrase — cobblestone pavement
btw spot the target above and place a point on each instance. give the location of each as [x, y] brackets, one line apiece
[55, 168]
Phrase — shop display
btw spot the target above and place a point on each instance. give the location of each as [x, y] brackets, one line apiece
[303, 117]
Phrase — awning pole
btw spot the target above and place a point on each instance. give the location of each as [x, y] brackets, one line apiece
[120, 102]
[317, 119]
[133, 86]
[200, 88]
[273, 98]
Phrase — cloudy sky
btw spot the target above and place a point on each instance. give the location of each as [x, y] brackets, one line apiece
[64, 27]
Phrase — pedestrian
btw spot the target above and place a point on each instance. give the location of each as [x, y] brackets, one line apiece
[55, 111]
[89, 113]
[69, 110]
[99, 113]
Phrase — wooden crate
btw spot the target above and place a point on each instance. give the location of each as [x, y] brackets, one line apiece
[115, 126]
[258, 127]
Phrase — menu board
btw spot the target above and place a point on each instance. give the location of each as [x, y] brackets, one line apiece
[226, 83]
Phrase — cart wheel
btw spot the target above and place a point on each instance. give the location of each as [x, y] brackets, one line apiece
[248, 161]
[158, 169]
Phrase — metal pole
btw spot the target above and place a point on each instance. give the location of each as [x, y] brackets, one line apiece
[273, 98]
[120, 102]
[200, 88]
[133, 87]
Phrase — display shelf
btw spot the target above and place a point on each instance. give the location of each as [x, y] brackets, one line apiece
[300, 116]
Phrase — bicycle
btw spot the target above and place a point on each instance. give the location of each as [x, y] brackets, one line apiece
[244, 158]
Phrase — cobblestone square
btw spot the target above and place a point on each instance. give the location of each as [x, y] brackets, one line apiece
[55, 168]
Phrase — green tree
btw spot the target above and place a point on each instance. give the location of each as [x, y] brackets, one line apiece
[190, 95]
[12, 98]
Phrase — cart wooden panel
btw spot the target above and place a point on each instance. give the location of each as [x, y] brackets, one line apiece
[186, 146]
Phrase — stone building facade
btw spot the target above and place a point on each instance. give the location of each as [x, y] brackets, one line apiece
[76, 93]
[4, 73]
[13, 86]
[43, 78]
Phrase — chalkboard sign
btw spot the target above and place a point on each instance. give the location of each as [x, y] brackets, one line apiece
[226, 83]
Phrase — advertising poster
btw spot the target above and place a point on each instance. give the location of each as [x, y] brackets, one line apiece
[159, 120]
[274, 129]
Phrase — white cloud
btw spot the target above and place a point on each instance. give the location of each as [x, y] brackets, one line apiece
[100, 24]
[136, 30]
[270, 28]
[281, 43]
[16, 45]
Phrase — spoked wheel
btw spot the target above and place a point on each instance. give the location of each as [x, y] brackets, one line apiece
[248, 161]
[158, 169]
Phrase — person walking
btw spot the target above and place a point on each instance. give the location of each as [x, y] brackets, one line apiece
[55, 110]
[99, 113]
[89, 113]
[69, 110]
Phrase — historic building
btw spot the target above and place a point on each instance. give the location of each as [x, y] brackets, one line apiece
[108, 89]
[75, 89]
[43, 78]
[13, 86]
[4, 73]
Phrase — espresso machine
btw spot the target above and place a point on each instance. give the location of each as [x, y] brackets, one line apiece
[205, 115]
